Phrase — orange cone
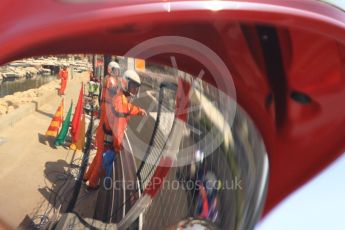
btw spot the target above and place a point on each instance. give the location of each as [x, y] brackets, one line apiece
[55, 124]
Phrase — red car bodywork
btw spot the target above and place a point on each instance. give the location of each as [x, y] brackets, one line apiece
[300, 143]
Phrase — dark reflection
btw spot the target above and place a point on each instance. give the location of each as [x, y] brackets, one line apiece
[223, 180]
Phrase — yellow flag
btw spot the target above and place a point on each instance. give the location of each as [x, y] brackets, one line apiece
[56, 121]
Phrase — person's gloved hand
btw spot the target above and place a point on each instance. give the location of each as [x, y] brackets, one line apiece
[143, 112]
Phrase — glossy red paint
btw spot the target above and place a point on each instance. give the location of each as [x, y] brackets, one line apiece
[311, 36]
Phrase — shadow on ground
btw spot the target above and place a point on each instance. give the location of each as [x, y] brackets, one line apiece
[44, 140]
[59, 184]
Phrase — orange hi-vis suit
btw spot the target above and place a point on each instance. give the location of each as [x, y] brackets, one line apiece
[121, 111]
[108, 92]
[114, 128]
[63, 74]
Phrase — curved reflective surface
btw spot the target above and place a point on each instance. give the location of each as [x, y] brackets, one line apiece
[215, 177]
[224, 181]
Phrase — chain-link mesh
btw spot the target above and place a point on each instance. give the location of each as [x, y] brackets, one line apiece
[163, 126]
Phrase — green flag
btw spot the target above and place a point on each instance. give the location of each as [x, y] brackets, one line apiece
[60, 139]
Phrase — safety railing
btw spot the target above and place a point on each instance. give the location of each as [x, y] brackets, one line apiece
[163, 126]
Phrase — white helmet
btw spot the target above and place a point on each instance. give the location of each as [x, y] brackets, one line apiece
[131, 82]
[113, 67]
[211, 182]
[113, 64]
[199, 155]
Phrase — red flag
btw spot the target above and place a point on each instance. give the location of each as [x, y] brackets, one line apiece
[77, 116]
[81, 134]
